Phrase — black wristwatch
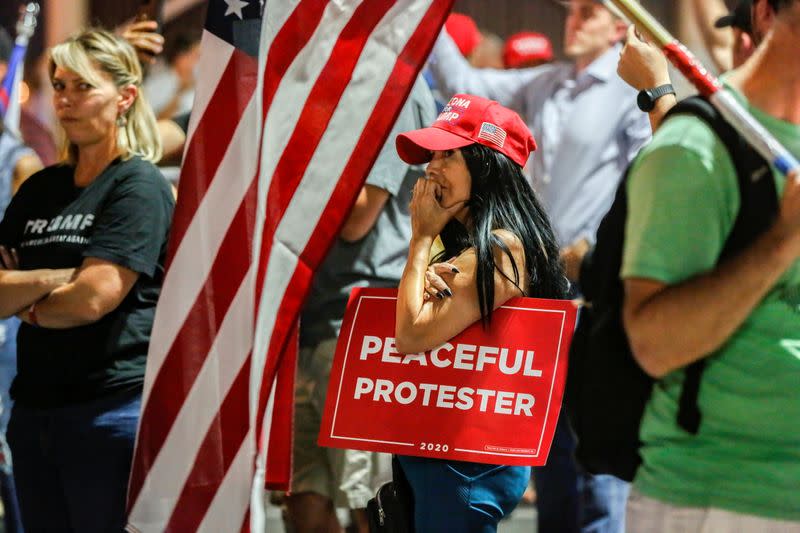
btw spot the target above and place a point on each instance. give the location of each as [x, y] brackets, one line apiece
[647, 98]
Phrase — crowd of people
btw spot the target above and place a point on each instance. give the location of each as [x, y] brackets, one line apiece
[460, 223]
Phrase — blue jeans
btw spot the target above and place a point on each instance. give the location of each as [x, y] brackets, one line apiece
[461, 497]
[71, 464]
[570, 500]
[8, 366]
[8, 369]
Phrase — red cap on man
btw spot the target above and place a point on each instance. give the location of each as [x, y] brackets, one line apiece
[465, 120]
[527, 49]
[464, 32]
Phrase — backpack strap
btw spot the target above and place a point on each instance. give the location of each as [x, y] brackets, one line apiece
[758, 207]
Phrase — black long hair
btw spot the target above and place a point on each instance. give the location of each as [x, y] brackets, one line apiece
[501, 198]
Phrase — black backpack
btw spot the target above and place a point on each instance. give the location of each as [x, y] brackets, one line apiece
[606, 390]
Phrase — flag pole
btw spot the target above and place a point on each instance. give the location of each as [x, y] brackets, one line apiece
[707, 84]
[9, 91]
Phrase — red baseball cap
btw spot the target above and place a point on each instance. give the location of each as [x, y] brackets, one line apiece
[465, 120]
[525, 47]
[464, 32]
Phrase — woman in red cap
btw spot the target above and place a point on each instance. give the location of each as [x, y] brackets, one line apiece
[477, 199]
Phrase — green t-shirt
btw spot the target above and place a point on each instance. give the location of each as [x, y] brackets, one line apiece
[683, 201]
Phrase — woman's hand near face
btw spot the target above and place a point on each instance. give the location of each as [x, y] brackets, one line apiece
[428, 217]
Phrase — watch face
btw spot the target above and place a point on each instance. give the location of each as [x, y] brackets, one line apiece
[645, 101]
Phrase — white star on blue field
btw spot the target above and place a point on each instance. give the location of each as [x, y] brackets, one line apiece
[235, 8]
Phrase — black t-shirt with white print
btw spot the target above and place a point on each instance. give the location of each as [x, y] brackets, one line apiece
[123, 217]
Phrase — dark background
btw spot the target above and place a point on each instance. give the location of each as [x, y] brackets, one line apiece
[502, 17]
[106, 13]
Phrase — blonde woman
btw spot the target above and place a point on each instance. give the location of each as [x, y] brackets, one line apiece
[83, 245]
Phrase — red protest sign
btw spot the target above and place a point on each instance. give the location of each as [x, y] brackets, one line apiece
[485, 396]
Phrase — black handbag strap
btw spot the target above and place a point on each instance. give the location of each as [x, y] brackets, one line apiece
[689, 415]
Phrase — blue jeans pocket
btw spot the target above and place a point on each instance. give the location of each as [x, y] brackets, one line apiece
[491, 491]
[472, 471]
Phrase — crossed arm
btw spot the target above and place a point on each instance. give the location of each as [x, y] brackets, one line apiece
[424, 323]
[65, 298]
[19, 289]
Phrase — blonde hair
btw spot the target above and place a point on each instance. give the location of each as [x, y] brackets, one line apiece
[94, 49]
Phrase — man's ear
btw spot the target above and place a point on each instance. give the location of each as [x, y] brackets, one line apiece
[763, 17]
[746, 43]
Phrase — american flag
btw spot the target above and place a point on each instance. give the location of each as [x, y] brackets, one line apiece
[494, 134]
[290, 113]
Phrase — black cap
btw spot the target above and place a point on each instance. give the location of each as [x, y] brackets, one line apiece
[740, 17]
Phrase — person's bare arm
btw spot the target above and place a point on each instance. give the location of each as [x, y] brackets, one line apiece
[572, 256]
[26, 166]
[427, 323]
[97, 288]
[173, 139]
[20, 288]
[643, 66]
[364, 214]
[718, 41]
[670, 327]
[422, 324]
[454, 74]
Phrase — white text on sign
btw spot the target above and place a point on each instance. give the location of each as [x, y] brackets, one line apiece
[460, 357]
[446, 396]
[468, 357]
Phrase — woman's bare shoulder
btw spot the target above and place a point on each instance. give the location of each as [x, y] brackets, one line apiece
[508, 237]
[504, 264]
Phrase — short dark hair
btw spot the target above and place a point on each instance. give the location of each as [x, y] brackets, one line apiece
[6, 45]
[182, 42]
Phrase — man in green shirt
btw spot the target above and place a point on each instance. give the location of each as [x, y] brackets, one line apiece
[742, 470]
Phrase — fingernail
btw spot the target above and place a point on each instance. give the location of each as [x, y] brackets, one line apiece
[455, 270]
[439, 295]
[447, 292]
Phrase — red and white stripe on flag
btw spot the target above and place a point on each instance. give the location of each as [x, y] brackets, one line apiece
[270, 172]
